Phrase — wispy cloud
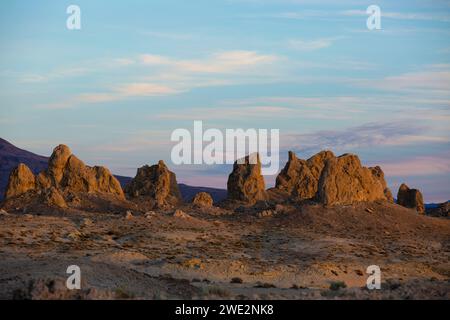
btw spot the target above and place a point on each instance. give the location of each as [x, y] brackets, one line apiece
[433, 79]
[339, 14]
[223, 62]
[418, 166]
[58, 74]
[166, 35]
[132, 90]
[162, 75]
[311, 45]
[363, 136]
[436, 16]
[227, 113]
[140, 141]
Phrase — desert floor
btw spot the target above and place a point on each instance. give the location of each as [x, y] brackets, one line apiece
[302, 254]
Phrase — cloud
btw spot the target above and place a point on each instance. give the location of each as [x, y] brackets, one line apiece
[169, 76]
[128, 90]
[132, 90]
[311, 45]
[54, 75]
[226, 113]
[83, 68]
[443, 17]
[141, 141]
[418, 166]
[340, 14]
[223, 62]
[363, 136]
[430, 83]
[123, 61]
[144, 89]
[167, 35]
[424, 80]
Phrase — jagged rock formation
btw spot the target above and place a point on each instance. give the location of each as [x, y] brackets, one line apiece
[410, 198]
[245, 183]
[379, 174]
[345, 181]
[156, 182]
[11, 157]
[203, 199]
[66, 175]
[330, 180]
[300, 178]
[52, 197]
[21, 180]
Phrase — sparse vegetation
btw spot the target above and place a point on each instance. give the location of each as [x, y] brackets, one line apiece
[217, 291]
[236, 280]
[336, 285]
[265, 285]
[123, 294]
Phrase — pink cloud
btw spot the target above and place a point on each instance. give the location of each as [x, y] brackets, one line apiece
[419, 166]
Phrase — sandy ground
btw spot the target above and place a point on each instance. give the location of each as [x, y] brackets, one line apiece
[302, 254]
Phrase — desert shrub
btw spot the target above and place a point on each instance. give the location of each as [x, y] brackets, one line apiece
[122, 294]
[217, 291]
[236, 280]
[336, 285]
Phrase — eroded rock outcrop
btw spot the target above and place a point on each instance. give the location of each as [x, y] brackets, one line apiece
[21, 180]
[410, 198]
[332, 180]
[379, 174]
[246, 183]
[156, 182]
[345, 181]
[52, 197]
[203, 199]
[300, 178]
[66, 174]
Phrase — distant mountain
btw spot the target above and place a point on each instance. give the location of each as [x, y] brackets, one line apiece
[188, 192]
[11, 156]
[434, 205]
[123, 180]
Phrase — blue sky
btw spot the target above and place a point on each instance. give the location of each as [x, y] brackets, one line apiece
[116, 89]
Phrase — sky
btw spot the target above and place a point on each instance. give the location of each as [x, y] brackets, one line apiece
[137, 70]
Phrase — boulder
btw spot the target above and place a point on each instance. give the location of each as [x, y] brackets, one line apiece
[128, 215]
[300, 178]
[181, 214]
[245, 183]
[203, 199]
[410, 198]
[345, 181]
[150, 214]
[156, 182]
[21, 180]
